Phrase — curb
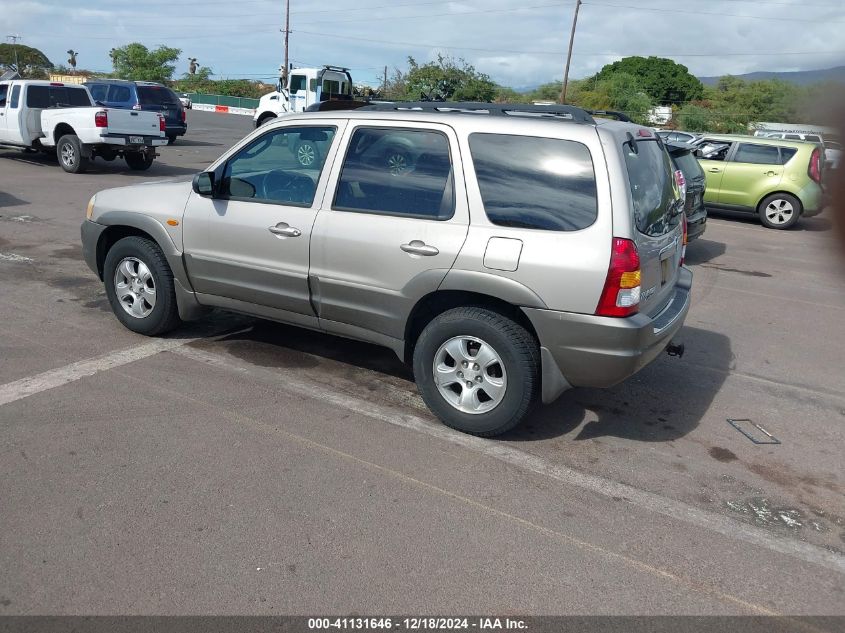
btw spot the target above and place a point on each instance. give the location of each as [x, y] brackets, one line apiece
[222, 109]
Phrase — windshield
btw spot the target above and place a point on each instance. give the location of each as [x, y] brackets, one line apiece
[156, 95]
[651, 177]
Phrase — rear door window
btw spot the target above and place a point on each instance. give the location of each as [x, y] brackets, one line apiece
[394, 171]
[651, 178]
[535, 183]
[757, 154]
[15, 98]
[118, 94]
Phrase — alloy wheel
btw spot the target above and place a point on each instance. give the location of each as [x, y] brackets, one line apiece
[470, 374]
[135, 287]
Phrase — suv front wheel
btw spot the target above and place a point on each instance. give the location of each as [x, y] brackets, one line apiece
[139, 286]
[477, 370]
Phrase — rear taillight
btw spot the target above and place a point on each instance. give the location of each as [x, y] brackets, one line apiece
[682, 183]
[621, 294]
[101, 119]
[815, 169]
[685, 241]
[184, 115]
[161, 125]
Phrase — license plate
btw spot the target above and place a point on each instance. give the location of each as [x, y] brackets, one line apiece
[136, 140]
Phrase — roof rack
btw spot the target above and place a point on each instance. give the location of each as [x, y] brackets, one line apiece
[619, 116]
[565, 112]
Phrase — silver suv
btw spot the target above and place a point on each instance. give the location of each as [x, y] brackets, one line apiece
[507, 252]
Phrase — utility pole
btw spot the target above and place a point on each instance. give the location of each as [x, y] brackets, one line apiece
[287, 36]
[569, 54]
[13, 40]
[384, 83]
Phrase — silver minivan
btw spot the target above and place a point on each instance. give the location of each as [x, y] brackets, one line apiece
[507, 252]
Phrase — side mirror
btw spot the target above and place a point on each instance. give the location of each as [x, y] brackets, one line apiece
[698, 153]
[203, 183]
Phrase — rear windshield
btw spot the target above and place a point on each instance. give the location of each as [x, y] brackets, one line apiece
[688, 164]
[156, 95]
[651, 176]
[57, 97]
[535, 183]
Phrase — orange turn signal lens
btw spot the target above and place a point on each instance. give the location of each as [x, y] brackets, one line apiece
[630, 279]
[172, 222]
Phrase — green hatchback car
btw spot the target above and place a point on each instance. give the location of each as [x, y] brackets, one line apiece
[779, 180]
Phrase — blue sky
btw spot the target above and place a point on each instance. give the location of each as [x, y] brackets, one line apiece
[517, 43]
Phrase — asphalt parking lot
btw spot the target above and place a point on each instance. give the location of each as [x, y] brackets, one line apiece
[244, 467]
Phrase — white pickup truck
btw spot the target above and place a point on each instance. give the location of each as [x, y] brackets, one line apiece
[63, 119]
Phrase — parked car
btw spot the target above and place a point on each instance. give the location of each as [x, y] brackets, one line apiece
[683, 157]
[676, 136]
[61, 119]
[515, 257]
[779, 180]
[185, 100]
[142, 95]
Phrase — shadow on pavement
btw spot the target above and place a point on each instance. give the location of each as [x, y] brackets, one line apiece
[100, 166]
[8, 200]
[815, 223]
[703, 250]
[663, 402]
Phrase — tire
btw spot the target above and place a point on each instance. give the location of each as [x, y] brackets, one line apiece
[307, 154]
[171, 140]
[780, 211]
[69, 153]
[265, 118]
[515, 368]
[397, 161]
[138, 161]
[141, 316]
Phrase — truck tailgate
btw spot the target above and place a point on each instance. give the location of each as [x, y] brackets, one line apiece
[133, 122]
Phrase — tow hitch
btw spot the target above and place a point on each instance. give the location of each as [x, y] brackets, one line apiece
[675, 349]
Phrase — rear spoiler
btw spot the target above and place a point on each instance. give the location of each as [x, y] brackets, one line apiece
[613, 114]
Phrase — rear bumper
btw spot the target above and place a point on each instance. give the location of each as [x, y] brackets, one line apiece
[123, 139]
[172, 129]
[583, 350]
[813, 200]
[696, 228]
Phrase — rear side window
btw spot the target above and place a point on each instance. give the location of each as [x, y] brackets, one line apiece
[757, 154]
[156, 95]
[118, 94]
[393, 171]
[16, 95]
[56, 97]
[813, 138]
[535, 183]
[651, 177]
[786, 154]
[792, 137]
[98, 91]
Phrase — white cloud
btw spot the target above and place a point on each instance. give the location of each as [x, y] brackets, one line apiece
[520, 47]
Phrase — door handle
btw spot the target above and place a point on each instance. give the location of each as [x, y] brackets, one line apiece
[282, 229]
[769, 173]
[714, 170]
[418, 247]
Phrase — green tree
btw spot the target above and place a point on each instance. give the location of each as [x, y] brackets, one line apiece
[666, 81]
[621, 92]
[447, 79]
[138, 63]
[31, 63]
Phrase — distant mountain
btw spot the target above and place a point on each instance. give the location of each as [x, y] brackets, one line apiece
[801, 77]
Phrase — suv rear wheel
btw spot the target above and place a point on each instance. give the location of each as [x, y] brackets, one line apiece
[139, 286]
[779, 211]
[139, 161]
[477, 370]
